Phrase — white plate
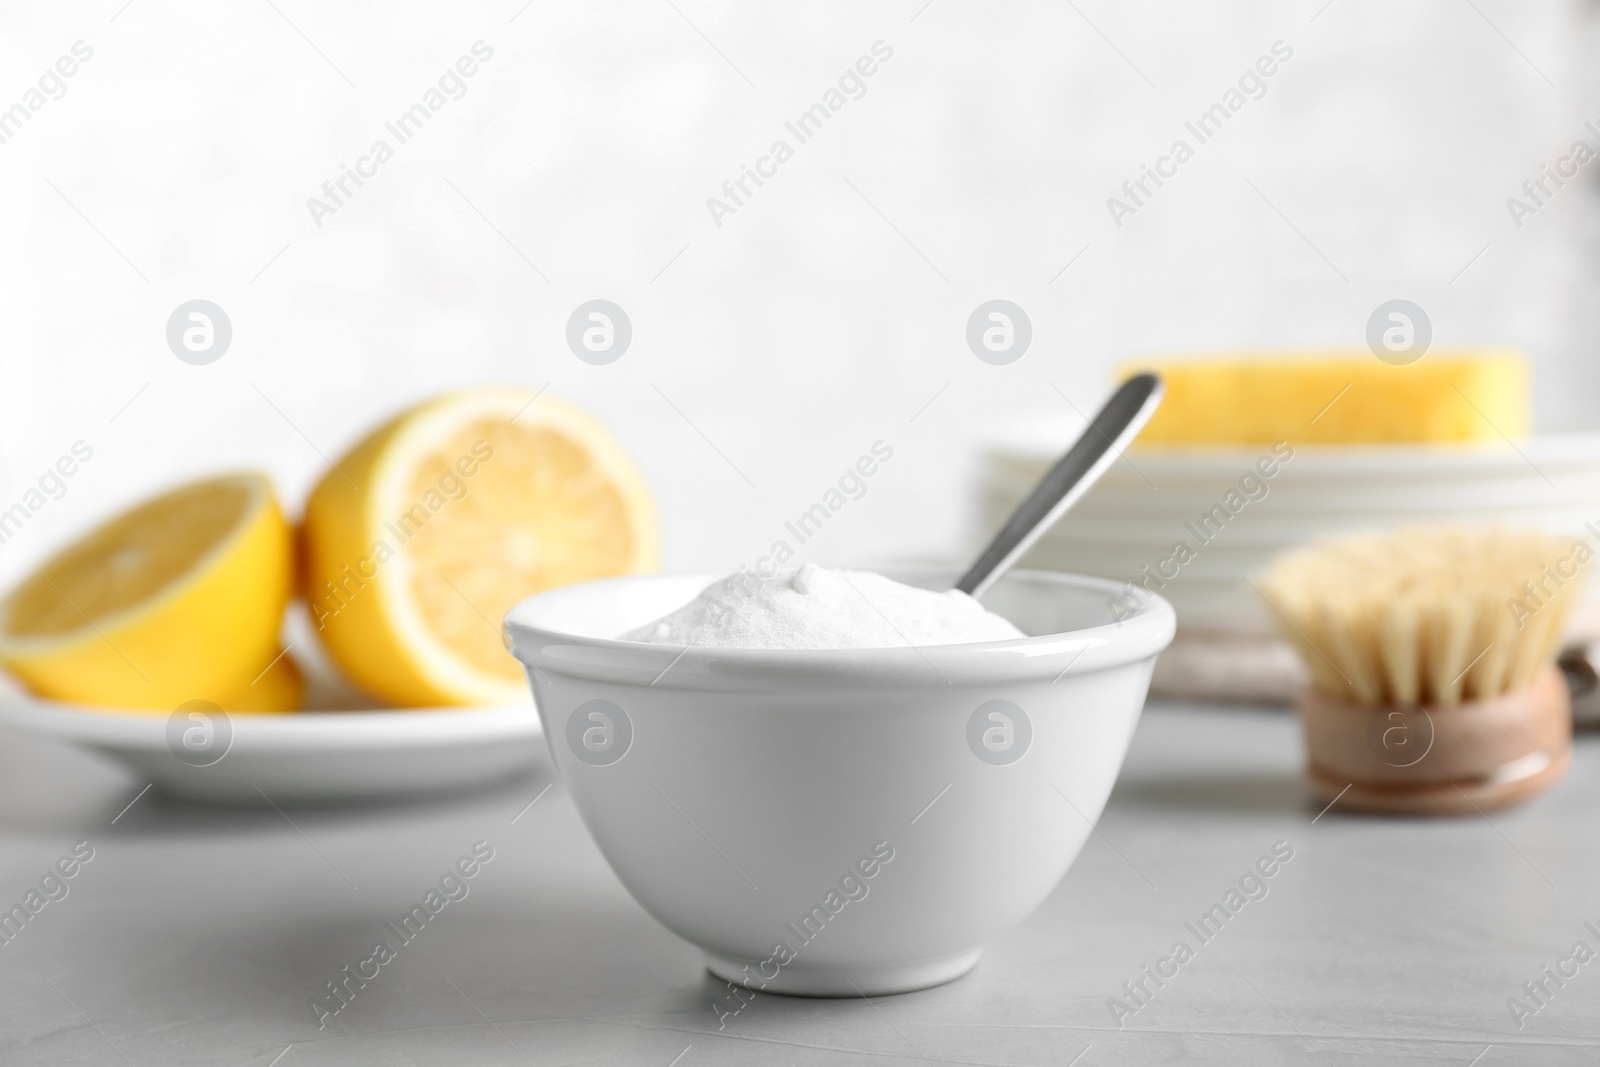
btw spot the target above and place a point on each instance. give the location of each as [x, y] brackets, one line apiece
[1135, 515]
[1544, 452]
[297, 757]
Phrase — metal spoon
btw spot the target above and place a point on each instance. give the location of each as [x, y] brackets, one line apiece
[1109, 432]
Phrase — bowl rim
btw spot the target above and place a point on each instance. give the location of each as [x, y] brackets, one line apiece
[1144, 632]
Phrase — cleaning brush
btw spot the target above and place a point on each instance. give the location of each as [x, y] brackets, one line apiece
[1432, 640]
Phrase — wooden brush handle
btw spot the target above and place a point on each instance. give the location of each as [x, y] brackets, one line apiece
[1471, 743]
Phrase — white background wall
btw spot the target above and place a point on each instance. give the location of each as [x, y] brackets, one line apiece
[803, 329]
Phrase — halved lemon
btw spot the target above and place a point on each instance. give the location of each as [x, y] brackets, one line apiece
[278, 687]
[179, 599]
[425, 534]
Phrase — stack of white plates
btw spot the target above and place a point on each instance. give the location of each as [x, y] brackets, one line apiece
[1152, 500]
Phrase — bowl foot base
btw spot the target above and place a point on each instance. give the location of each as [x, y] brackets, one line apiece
[797, 979]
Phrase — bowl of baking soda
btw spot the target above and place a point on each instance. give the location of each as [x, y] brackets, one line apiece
[840, 783]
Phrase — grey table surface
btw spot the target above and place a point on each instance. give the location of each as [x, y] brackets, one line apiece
[202, 935]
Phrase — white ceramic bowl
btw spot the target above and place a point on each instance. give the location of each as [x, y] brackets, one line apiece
[841, 822]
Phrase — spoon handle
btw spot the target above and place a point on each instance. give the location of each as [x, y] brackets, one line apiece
[1109, 432]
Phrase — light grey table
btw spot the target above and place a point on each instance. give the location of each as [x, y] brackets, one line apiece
[201, 936]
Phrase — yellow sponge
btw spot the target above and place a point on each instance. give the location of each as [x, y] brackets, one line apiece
[1340, 398]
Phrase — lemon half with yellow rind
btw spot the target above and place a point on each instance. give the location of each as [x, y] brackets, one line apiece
[423, 536]
[278, 687]
[180, 598]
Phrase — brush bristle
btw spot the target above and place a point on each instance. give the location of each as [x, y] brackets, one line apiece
[1427, 615]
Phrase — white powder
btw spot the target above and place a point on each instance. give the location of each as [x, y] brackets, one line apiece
[818, 608]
